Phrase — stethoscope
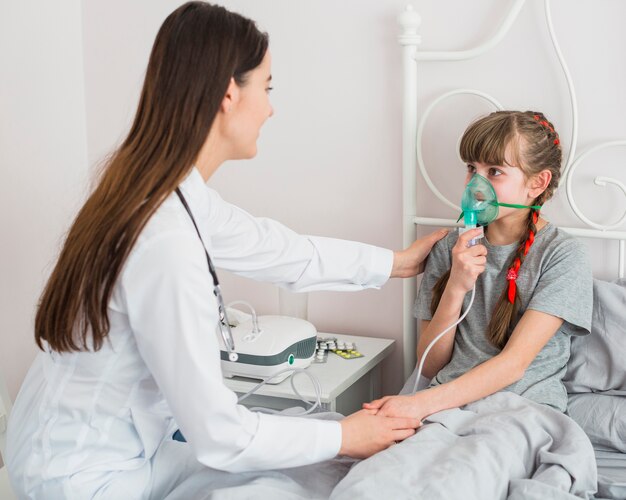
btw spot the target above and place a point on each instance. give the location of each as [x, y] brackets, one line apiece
[223, 323]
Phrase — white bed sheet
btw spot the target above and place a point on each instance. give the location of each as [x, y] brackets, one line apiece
[611, 474]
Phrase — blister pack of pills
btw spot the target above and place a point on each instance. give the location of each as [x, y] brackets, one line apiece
[321, 350]
[348, 353]
[345, 350]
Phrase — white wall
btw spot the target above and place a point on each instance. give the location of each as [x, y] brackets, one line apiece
[43, 160]
[329, 159]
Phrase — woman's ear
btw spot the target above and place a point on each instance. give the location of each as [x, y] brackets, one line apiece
[231, 97]
[539, 183]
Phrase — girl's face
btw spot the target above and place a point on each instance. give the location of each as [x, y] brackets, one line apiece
[250, 110]
[510, 184]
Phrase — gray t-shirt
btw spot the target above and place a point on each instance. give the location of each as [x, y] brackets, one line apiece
[555, 279]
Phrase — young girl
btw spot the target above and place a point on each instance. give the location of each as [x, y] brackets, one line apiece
[533, 292]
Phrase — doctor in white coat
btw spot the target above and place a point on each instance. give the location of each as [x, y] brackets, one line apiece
[127, 320]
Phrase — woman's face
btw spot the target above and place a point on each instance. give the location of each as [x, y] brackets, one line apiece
[250, 110]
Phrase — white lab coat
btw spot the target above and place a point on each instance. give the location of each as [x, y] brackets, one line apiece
[83, 421]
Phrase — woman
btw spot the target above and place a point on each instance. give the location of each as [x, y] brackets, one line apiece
[127, 320]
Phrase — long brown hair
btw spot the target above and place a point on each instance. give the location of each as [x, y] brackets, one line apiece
[197, 51]
[536, 147]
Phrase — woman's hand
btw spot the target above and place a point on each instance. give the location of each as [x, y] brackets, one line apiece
[468, 262]
[364, 433]
[413, 406]
[409, 262]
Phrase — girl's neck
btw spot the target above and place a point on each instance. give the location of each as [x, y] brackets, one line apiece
[510, 229]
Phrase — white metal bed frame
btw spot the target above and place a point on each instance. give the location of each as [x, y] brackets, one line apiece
[412, 159]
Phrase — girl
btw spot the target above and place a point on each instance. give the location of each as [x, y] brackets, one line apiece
[127, 322]
[533, 286]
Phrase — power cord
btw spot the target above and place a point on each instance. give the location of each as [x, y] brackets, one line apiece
[316, 385]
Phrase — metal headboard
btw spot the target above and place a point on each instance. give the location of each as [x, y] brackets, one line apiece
[413, 124]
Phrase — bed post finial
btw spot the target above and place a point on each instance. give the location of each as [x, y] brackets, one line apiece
[410, 21]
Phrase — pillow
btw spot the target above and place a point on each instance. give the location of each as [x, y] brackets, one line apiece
[598, 360]
[602, 417]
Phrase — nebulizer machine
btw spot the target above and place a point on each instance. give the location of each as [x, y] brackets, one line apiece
[479, 205]
[270, 348]
[266, 345]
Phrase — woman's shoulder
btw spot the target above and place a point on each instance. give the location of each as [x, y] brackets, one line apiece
[168, 235]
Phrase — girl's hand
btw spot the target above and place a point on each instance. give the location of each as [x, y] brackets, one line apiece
[468, 262]
[400, 406]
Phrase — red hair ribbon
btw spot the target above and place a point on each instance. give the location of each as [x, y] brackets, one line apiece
[529, 242]
[513, 271]
[545, 124]
[511, 276]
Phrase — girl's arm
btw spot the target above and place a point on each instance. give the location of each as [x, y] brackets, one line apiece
[467, 264]
[531, 334]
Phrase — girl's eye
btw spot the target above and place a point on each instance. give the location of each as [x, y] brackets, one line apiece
[471, 169]
[494, 172]
[269, 89]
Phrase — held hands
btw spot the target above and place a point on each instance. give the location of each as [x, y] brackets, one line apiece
[412, 406]
[467, 262]
[409, 262]
[363, 433]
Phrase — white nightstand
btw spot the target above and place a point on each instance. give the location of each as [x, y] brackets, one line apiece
[346, 383]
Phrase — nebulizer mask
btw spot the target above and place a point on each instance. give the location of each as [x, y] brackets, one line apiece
[479, 205]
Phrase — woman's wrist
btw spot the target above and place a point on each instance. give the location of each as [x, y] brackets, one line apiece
[404, 266]
[410, 261]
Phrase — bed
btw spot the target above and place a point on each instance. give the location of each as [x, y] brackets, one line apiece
[596, 378]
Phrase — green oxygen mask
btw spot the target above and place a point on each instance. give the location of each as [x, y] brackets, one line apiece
[480, 203]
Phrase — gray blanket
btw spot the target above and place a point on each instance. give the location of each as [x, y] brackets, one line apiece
[309, 482]
[503, 446]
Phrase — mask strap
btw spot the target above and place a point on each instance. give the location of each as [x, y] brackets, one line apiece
[509, 205]
[512, 205]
